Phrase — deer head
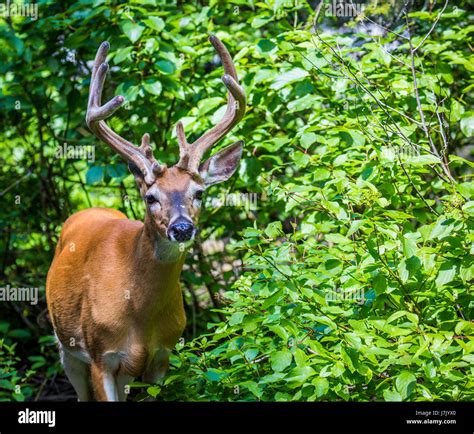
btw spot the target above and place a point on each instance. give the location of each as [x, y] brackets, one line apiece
[172, 194]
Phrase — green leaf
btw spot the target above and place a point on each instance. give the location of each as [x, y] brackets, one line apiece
[265, 45]
[166, 66]
[154, 391]
[403, 271]
[298, 376]
[460, 160]
[411, 316]
[380, 284]
[274, 229]
[236, 318]
[251, 233]
[286, 78]
[446, 274]
[461, 325]
[301, 159]
[405, 383]
[153, 87]
[278, 329]
[422, 160]
[214, 375]
[19, 333]
[122, 54]
[467, 125]
[94, 175]
[392, 395]
[336, 209]
[300, 358]
[466, 189]
[466, 271]
[397, 214]
[321, 386]
[155, 23]
[280, 360]
[5, 384]
[357, 138]
[116, 170]
[355, 226]
[442, 229]
[308, 139]
[251, 353]
[132, 30]
[254, 387]
[260, 21]
[409, 246]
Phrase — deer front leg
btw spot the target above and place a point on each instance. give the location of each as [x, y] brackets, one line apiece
[77, 372]
[108, 384]
[103, 384]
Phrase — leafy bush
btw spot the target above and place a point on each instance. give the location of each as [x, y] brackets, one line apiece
[22, 379]
[366, 294]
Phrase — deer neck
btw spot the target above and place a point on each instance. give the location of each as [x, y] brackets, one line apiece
[157, 264]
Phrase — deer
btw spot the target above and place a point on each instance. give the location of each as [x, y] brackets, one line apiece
[113, 290]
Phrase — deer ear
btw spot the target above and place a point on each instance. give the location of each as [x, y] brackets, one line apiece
[137, 173]
[222, 165]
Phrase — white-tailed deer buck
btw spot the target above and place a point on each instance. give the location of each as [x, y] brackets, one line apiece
[113, 288]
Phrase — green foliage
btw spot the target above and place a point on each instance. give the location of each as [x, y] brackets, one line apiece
[19, 377]
[354, 273]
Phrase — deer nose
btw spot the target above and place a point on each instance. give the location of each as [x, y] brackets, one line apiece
[181, 230]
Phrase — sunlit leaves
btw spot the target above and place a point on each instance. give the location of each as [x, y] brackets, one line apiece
[166, 66]
[280, 360]
[404, 383]
[156, 23]
[288, 77]
[132, 30]
[153, 87]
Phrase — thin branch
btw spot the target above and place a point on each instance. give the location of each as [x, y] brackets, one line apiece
[432, 27]
[420, 109]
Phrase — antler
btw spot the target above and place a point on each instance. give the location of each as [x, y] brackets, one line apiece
[190, 154]
[141, 156]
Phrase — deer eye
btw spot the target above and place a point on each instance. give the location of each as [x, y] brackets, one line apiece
[150, 199]
[198, 195]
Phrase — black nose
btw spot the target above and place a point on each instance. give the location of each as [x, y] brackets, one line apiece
[181, 231]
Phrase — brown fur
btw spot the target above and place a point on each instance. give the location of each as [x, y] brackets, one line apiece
[106, 292]
[113, 288]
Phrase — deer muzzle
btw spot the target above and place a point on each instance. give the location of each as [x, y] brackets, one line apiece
[181, 230]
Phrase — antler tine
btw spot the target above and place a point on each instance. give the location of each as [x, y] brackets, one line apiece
[183, 145]
[225, 57]
[146, 150]
[96, 114]
[191, 154]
